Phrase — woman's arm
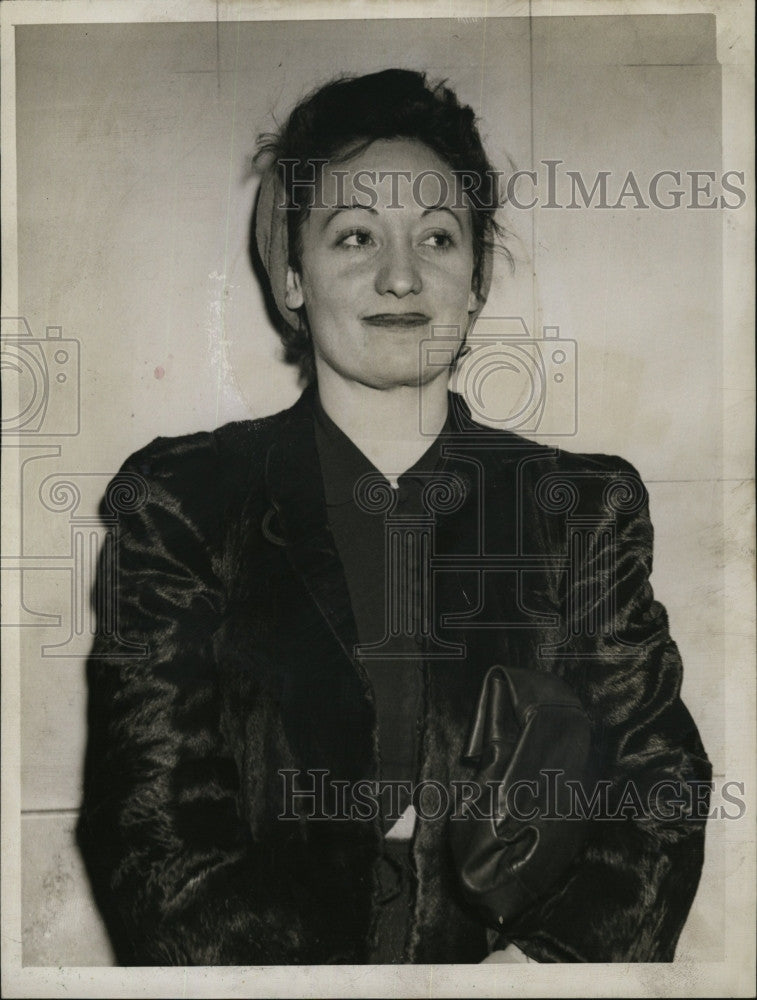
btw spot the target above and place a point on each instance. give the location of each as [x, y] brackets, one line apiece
[173, 867]
[627, 896]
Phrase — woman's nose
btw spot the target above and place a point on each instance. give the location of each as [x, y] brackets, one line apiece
[398, 272]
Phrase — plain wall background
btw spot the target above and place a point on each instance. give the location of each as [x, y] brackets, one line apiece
[133, 212]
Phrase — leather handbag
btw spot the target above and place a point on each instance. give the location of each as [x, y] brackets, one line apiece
[529, 741]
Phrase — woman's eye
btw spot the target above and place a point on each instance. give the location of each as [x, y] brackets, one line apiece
[356, 238]
[440, 240]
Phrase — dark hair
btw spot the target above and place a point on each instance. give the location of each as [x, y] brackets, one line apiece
[341, 118]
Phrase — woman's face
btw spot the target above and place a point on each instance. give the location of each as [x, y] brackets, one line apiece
[385, 265]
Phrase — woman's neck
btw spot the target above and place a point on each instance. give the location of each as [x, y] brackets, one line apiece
[392, 427]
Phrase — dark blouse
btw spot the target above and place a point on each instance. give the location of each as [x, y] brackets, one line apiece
[361, 539]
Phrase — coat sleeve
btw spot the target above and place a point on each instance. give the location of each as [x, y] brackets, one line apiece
[627, 895]
[175, 871]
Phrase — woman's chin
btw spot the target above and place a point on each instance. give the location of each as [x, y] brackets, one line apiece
[407, 376]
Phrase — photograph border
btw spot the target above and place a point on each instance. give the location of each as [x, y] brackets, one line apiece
[732, 977]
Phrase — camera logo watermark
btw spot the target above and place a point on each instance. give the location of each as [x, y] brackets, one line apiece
[510, 379]
[41, 376]
[61, 535]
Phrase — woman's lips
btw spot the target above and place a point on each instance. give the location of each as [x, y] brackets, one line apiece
[408, 319]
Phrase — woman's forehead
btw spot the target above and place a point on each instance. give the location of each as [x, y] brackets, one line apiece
[391, 173]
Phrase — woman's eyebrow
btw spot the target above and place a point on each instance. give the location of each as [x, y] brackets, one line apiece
[348, 208]
[441, 208]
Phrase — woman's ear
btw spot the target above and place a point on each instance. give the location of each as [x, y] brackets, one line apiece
[293, 298]
[473, 301]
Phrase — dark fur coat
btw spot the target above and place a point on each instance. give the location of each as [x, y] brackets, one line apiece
[227, 655]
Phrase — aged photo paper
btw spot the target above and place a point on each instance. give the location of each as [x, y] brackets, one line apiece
[132, 308]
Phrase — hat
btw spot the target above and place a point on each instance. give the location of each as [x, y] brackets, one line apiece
[272, 238]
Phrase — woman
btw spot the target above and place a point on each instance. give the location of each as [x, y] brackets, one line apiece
[319, 596]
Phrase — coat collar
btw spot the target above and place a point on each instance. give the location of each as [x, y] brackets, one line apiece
[295, 488]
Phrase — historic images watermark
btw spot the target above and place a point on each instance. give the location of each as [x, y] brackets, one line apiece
[554, 185]
[311, 794]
